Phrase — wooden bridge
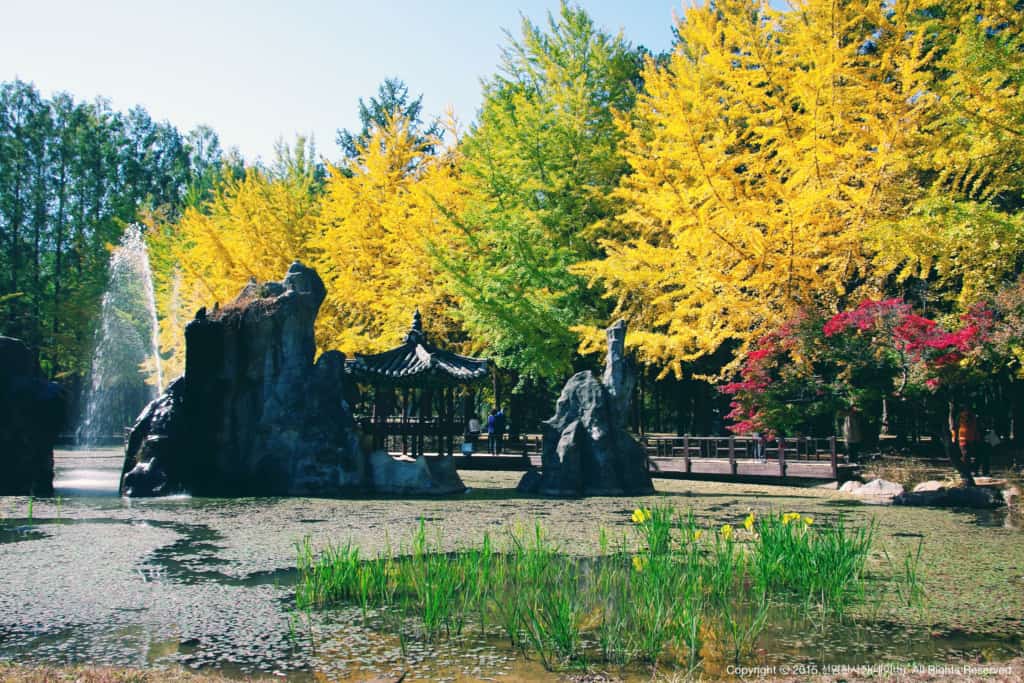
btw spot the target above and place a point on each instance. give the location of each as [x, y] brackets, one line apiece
[700, 457]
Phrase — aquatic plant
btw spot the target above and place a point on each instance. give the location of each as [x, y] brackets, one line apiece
[654, 598]
[907, 578]
[823, 565]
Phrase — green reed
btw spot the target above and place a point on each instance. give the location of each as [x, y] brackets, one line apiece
[821, 566]
[907, 577]
[655, 597]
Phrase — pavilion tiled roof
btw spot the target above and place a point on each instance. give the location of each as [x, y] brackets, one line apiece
[417, 362]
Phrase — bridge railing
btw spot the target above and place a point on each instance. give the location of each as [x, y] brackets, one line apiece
[779, 450]
[742, 447]
[802, 448]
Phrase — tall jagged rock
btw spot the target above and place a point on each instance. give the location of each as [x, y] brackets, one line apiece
[619, 373]
[252, 415]
[587, 450]
[31, 413]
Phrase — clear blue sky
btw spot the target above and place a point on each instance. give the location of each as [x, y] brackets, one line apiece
[259, 70]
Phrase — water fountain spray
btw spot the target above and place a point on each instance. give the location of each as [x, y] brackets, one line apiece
[127, 338]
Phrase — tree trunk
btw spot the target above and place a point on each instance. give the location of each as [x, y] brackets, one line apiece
[58, 266]
[951, 449]
[15, 227]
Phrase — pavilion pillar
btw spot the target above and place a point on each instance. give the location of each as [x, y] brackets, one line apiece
[439, 422]
[414, 422]
[449, 420]
[426, 416]
[374, 417]
[405, 420]
[453, 433]
[442, 424]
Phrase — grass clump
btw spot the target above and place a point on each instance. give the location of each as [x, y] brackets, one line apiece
[671, 592]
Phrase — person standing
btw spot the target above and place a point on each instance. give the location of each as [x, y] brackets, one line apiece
[758, 447]
[471, 436]
[492, 444]
[499, 429]
[967, 437]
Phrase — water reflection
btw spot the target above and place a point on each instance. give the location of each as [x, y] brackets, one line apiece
[208, 583]
[87, 472]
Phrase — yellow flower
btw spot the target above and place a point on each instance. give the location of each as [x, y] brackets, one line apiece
[638, 563]
[697, 534]
[641, 515]
[748, 523]
[808, 520]
[790, 517]
[727, 531]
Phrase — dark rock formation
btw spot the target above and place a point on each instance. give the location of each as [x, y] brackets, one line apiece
[253, 415]
[978, 497]
[153, 445]
[31, 414]
[587, 449]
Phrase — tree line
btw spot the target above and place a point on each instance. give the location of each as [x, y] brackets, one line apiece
[774, 162]
[73, 175]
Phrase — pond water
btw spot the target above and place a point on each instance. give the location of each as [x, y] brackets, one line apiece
[208, 583]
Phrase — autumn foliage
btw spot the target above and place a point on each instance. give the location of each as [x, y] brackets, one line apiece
[733, 200]
[880, 349]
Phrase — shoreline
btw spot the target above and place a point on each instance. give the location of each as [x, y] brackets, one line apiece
[1009, 671]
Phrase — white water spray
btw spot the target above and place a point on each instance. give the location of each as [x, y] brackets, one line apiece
[154, 336]
[127, 345]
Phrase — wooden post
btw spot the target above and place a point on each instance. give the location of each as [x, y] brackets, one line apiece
[832, 454]
[782, 457]
[686, 452]
[418, 436]
[405, 421]
[732, 454]
[442, 421]
[446, 423]
[455, 427]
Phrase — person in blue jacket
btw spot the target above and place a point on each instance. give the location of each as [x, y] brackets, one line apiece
[499, 430]
[492, 444]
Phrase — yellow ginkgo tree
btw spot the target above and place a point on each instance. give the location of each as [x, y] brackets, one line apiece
[251, 227]
[761, 156]
[381, 219]
[966, 235]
